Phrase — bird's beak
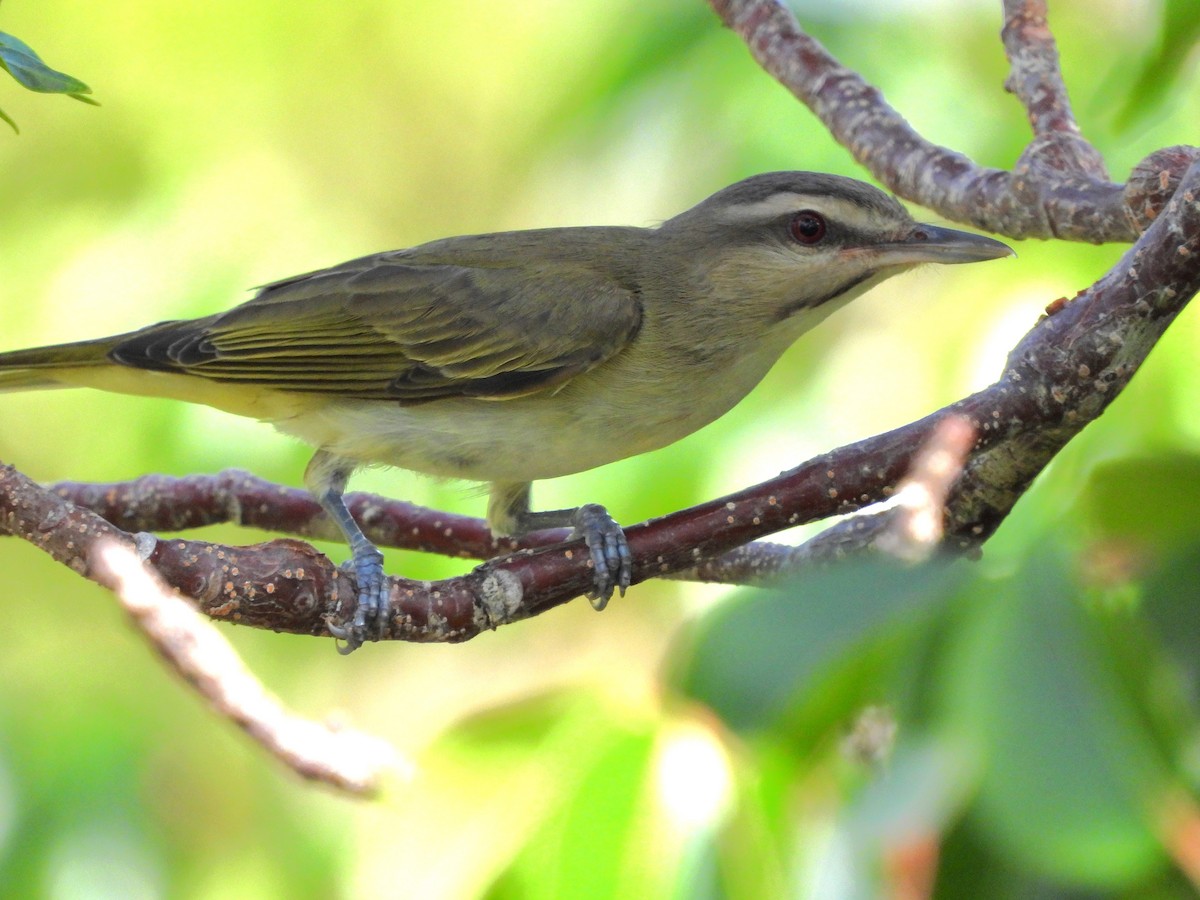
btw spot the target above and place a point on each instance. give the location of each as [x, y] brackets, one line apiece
[933, 244]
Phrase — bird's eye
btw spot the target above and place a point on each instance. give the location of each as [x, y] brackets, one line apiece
[807, 227]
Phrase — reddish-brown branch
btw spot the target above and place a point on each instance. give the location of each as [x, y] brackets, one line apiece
[163, 503]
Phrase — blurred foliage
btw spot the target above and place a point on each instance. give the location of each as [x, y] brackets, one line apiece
[1028, 725]
[1163, 70]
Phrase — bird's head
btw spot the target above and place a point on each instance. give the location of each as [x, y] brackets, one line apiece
[790, 242]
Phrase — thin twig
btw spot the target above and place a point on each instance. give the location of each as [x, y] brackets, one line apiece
[915, 531]
[1036, 77]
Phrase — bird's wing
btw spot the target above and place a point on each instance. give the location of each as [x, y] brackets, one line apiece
[383, 328]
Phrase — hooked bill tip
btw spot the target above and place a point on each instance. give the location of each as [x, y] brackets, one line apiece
[933, 243]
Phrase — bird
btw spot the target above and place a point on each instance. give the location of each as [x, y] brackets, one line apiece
[516, 356]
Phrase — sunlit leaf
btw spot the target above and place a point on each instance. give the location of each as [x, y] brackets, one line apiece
[587, 774]
[587, 848]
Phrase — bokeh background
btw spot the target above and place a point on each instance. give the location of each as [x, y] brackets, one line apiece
[691, 741]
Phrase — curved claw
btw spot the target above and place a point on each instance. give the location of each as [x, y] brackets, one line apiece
[609, 550]
[370, 614]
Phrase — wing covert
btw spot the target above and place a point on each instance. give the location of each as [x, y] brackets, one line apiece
[385, 327]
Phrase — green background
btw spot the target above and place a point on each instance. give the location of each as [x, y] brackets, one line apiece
[687, 741]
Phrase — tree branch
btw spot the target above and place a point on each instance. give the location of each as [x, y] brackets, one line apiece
[1057, 189]
[1061, 376]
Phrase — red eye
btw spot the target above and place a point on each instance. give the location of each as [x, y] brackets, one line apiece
[807, 227]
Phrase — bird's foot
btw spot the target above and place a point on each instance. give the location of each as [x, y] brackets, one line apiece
[371, 612]
[606, 543]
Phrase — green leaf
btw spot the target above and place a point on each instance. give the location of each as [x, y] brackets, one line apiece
[6, 118]
[1171, 607]
[1151, 500]
[758, 657]
[23, 64]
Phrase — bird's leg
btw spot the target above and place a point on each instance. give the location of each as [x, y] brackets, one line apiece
[509, 513]
[326, 478]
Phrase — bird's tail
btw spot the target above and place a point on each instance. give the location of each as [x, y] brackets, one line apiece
[90, 364]
[45, 367]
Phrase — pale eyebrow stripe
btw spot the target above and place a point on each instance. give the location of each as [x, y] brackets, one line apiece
[782, 204]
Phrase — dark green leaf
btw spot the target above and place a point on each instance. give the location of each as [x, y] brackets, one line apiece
[1151, 500]
[1071, 774]
[1171, 606]
[754, 658]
